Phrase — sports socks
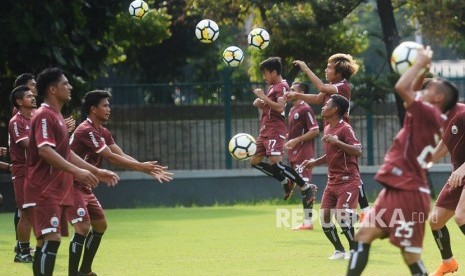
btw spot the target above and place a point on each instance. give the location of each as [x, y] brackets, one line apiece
[23, 248]
[92, 243]
[75, 250]
[462, 227]
[358, 259]
[290, 173]
[362, 198]
[333, 237]
[418, 269]
[271, 171]
[349, 232]
[44, 260]
[16, 221]
[442, 238]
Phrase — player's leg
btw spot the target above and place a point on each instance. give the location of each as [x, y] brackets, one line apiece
[78, 216]
[257, 162]
[346, 206]
[328, 203]
[24, 234]
[307, 205]
[15, 222]
[363, 201]
[94, 237]
[414, 263]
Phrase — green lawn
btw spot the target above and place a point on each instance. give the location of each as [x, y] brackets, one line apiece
[235, 240]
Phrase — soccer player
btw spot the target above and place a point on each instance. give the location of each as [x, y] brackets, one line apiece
[19, 128]
[92, 141]
[340, 196]
[339, 70]
[51, 166]
[302, 131]
[451, 201]
[403, 205]
[271, 139]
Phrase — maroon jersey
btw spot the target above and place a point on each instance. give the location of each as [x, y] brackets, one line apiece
[454, 135]
[272, 123]
[45, 184]
[19, 129]
[87, 141]
[343, 89]
[301, 120]
[405, 162]
[342, 168]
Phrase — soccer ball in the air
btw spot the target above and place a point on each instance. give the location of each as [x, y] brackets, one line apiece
[138, 8]
[258, 38]
[242, 146]
[404, 56]
[207, 31]
[233, 56]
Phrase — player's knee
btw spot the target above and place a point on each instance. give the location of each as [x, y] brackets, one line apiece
[411, 258]
[459, 218]
[82, 227]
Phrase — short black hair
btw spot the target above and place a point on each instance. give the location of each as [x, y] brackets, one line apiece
[18, 94]
[302, 86]
[93, 98]
[272, 64]
[341, 103]
[451, 93]
[23, 79]
[46, 78]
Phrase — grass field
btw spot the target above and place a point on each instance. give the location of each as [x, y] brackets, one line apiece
[223, 240]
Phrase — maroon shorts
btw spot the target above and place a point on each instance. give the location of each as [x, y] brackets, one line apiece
[401, 215]
[18, 184]
[344, 196]
[306, 174]
[449, 197]
[270, 146]
[49, 219]
[86, 207]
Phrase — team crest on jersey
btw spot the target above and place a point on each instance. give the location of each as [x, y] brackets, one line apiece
[81, 212]
[61, 124]
[454, 129]
[296, 116]
[54, 221]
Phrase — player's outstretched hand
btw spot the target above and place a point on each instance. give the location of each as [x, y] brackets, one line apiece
[259, 103]
[424, 56]
[308, 164]
[87, 178]
[456, 178]
[157, 171]
[291, 144]
[164, 176]
[3, 151]
[301, 64]
[290, 96]
[70, 124]
[108, 177]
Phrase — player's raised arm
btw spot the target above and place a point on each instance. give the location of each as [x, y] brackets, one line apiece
[108, 177]
[404, 86]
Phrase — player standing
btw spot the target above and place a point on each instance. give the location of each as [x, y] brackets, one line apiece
[271, 139]
[92, 141]
[340, 196]
[51, 166]
[403, 205]
[23, 99]
[451, 201]
[302, 131]
[340, 68]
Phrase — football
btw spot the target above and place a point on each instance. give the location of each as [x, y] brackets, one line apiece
[258, 38]
[207, 31]
[404, 56]
[242, 146]
[138, 8]
[233, 56]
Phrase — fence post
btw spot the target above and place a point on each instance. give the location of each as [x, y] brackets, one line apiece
[227, 114]
[370, 153]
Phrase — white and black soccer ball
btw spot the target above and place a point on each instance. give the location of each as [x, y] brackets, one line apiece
[138, 8]
[207, 31]
[258, 38]
[242, 146]
[233, 56]
[404, 56]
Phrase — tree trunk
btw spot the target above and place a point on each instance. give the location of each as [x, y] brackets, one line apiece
[391, 40]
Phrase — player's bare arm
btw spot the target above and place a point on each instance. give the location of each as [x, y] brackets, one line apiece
[404, 86]
[439, 152]
[319, 84]
[55, 160]
[308, 164]
[457, 176]
[117, 150]
[5, 166]
[259, 103]
[353, 150]
[108, 177]
[276, 106]
[309, 135]
[316, 99]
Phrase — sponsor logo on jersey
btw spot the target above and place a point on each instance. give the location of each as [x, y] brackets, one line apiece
[15, 128]
[54, 221]
[296, 116]
[454, 129]
[92, 138]
[44, 128]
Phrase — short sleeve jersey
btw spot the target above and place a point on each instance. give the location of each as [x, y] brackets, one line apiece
[272, 123]
[88, 141]
[341, 166]
[19, 129]
[301, 120]
[45, 184]
[454, 135]
[343, 89]
[405, 161]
